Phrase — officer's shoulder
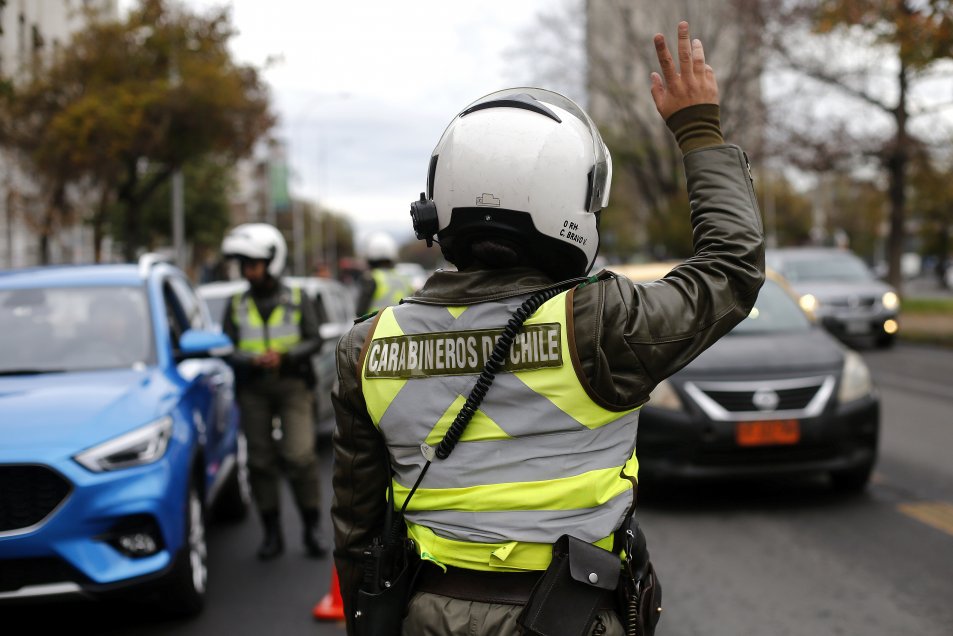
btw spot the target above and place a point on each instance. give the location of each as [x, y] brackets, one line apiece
[601, 276]
[366, 316]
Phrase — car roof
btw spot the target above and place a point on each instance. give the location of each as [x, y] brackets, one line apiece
[805, 253]
[71, 276]
[221, 288]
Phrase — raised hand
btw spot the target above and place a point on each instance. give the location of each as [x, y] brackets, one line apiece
[694, 81]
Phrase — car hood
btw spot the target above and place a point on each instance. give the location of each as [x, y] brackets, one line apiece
[67, 412]
[833, 290]
[751, 356]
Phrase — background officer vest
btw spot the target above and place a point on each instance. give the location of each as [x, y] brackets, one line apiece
[390, 287]
[280, 333]
[539, 459]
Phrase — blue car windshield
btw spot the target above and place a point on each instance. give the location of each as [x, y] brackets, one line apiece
[44, 330]
[832, 268]
[774, 311]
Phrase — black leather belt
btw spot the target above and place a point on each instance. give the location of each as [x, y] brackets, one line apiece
[508, 588]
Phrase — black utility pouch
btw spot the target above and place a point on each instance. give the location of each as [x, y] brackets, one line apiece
[390, 572]
[579, 582]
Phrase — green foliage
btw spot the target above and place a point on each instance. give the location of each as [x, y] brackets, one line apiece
[921, 30]
[786, 212]
[942, 306]
[127, 102]
[207, 183]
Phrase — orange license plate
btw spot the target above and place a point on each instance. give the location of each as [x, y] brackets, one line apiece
[768, 432]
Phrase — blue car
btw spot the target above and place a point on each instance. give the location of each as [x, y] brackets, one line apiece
[118, 433]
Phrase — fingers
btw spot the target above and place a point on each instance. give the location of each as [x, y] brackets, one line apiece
[698, 58]
[658, 89]
[665, 60]
[693, 82]
[684, 48]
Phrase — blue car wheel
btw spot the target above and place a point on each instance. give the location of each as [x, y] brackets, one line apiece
[184, 594]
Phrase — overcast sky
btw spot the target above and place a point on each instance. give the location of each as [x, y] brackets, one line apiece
[364, 89]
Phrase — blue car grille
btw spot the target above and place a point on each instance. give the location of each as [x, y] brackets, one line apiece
[18, 573]
[28, 494]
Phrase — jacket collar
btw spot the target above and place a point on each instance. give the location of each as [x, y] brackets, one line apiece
[474, 286]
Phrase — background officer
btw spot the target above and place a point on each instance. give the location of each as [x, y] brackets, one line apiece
[382, 285]
[276, 333]
[515, 188]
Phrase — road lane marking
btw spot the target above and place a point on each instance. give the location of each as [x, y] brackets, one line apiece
[937, 514]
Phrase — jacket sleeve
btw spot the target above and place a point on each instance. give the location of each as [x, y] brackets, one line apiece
[631, 337]
[360, 470]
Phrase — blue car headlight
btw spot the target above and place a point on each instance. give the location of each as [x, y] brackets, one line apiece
[144, 445]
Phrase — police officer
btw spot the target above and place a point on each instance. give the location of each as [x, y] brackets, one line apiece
[276, 333]
[515, 188]
[382, 285]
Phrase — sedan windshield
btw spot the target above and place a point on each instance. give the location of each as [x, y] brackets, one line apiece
[73, 329]
[835, 267]
[774, 311]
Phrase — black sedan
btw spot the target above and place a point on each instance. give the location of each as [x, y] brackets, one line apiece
[778, 395]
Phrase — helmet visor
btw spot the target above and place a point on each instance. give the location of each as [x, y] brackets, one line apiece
[600, 176]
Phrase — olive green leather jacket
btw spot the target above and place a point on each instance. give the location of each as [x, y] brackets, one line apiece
[628, 337]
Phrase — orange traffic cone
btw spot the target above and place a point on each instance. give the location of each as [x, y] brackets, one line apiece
[331, 607]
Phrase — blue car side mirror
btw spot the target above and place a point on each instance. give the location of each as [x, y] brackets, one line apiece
[196, 343]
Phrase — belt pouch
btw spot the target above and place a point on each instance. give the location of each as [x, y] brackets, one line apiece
[571, 591]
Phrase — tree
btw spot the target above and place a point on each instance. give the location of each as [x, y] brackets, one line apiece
[932, 197]
[208, 181]
[647, 206]
[128, 102]
[878, 56]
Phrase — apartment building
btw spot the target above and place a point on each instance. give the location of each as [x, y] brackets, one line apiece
[31, 30]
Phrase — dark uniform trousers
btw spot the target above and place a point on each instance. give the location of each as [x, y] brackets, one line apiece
[293, 454]
[436, 615]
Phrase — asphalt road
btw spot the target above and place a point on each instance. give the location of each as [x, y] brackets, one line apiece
[740, 558]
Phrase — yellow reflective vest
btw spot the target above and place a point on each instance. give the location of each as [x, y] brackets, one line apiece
[280, 333]
[390, 287]
[539, 459]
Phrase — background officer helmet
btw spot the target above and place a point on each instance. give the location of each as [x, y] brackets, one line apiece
[380, 247]
[257, 241]
[524, 164]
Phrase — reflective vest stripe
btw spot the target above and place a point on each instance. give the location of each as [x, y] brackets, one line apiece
[538, 459]
[508, 556]
[282, 331]
[586, 490]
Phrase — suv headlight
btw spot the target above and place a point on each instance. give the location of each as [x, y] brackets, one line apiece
[855, 380]
[664, 397]
[890, 301]
[808, 303]
[142, 446]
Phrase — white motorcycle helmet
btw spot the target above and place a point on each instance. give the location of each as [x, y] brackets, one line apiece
[257, 241]
[380, 247]
[524, 163]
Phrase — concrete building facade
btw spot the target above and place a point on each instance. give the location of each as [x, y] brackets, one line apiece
[30, 32]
